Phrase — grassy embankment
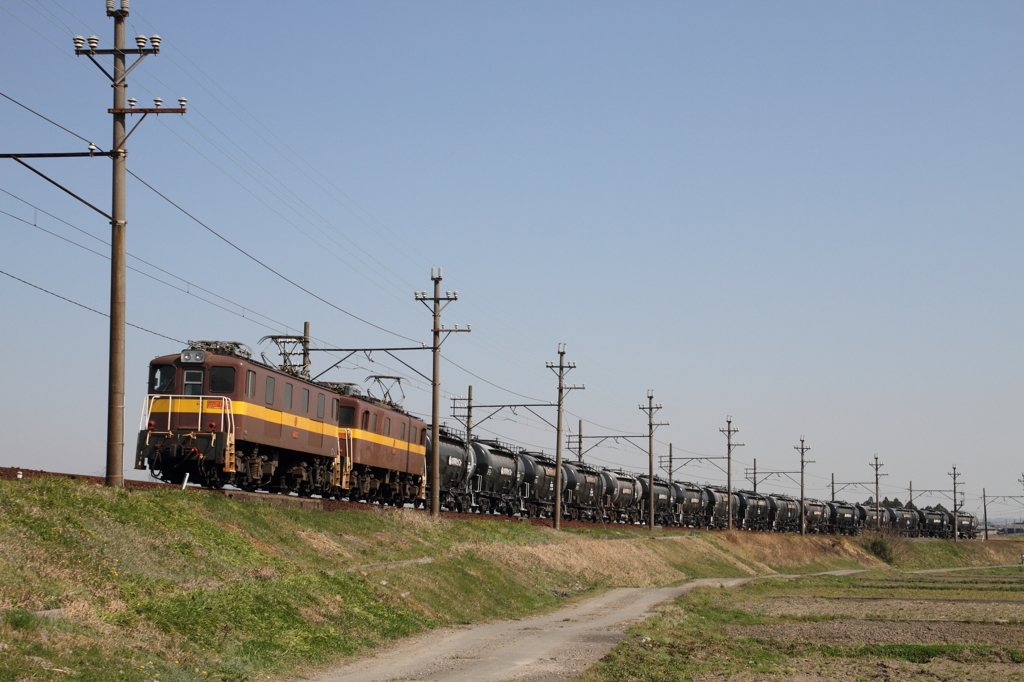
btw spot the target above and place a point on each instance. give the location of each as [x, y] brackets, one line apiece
[882, 625]
[172, 585]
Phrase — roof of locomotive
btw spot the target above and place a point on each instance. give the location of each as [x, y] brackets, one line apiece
[242, 353]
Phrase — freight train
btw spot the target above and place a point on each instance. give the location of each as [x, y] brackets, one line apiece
[217, 417]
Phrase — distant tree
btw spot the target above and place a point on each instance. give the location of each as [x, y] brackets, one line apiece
[940, 507]
[870, 500]
[896, 503]
[886, 503]
[911, 505]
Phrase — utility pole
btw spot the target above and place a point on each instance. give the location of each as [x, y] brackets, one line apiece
[579, 445]
[803, 505]
[878, 508]
[833, 486]
[755, 475]
[469, 418]
[729, 431]
[650, 408]
[305, 350]
[911, 501]
[435, 409]
[118, 214]
[561, 369]
[956, 508]
[668, 464]
[984, 506]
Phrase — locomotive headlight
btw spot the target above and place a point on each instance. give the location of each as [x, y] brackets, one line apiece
[193, 356]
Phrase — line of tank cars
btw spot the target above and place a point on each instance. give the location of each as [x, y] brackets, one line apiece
[488, 476]
[216, 416]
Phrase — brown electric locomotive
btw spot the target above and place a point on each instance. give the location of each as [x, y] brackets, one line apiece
[215, 416]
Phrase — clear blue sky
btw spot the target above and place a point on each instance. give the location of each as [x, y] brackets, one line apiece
[806, 215]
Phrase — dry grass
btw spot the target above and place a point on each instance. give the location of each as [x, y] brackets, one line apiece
[619, 563]
[788, 551]
[325, 544]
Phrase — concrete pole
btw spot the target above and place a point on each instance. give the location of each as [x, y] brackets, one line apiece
[878, 508]
[118, 225]
[305, 350]
[984, 506]
[435, 427]
[803, 501]
[469, 417]
[956, 521]
[650, 455]
[558, 438]
[728, 473]
[579, 445]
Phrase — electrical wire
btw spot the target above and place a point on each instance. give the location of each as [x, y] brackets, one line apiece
[265, 266]
[92, 310]
[44, 118]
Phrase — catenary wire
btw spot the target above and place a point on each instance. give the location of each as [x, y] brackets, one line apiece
[44, 117]
[93, 310]
[491, 383]
[265, 266]
[336, 189]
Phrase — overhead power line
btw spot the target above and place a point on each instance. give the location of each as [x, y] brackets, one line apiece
[265, 266]
[44, 118]
[92, 310]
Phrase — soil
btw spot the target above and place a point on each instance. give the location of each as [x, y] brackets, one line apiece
[838, 670]
[868, 632]
[891, 609]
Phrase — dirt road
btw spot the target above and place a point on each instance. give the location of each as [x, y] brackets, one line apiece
[556, 646]
[548, 648]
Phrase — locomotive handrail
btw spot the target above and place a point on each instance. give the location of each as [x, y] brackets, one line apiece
[227, 412]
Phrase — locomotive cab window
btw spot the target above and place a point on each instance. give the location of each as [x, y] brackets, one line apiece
[193, 382]
[387, 426]
[366, 421]
[222, 379]
[305, 400]
[401, 432]
[288, 396]
[162, 379]
[321, 402]
[270, 390]
[250, 384]
[346, 415]
[374, 427]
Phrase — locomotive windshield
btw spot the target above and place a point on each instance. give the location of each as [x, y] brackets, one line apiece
[222, 379]
[162, 379]
[346, 415]
[193, 382]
